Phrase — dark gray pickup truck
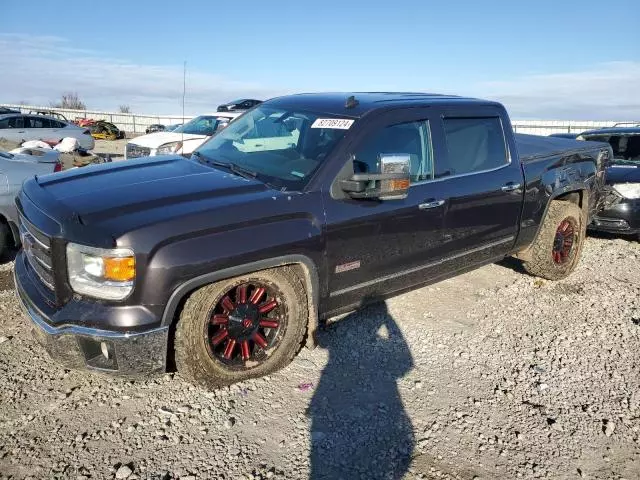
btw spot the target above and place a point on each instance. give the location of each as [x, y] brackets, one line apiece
[225, 263]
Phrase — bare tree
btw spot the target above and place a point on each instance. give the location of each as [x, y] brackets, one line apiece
[125, 109]
[70, 100]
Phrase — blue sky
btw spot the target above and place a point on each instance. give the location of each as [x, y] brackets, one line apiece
[543, 59]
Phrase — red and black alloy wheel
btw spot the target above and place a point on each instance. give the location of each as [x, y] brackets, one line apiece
[246, 325]
[564, 241]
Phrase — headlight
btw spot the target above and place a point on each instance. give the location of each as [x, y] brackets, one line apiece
[628, 190]
[102, 273]
[169, 148]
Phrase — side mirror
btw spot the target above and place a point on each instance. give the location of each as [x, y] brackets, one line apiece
[392, 183]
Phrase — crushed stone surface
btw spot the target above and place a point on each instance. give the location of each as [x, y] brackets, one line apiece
[492, 374]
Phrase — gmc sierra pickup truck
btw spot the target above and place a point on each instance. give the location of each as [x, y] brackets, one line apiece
[225, 263]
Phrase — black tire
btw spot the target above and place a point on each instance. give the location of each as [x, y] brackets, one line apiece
[195, 356]
[546, 258]
[5, 240]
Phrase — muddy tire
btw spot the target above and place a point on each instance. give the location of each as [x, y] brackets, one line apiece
[556, 251]
[241, 328]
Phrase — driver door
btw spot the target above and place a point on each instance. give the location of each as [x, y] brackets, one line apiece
[378, 247]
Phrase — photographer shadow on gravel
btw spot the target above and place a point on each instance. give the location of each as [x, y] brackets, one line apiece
[359, 428]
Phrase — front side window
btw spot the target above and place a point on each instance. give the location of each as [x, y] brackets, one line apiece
[474, 145]
[411, 138]
[282, 147]
[38, 122]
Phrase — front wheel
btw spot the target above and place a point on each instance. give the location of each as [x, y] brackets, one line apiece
[241, 328]
[556, 251]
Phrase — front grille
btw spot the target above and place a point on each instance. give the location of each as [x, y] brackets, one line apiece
[37, 248]
[135, 151]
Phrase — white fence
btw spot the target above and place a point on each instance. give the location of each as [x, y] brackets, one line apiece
[135, 123]
[129, 122]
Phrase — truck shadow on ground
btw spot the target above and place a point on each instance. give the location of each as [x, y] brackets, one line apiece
[359, 427]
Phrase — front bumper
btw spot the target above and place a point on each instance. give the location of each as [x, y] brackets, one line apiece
[623, 217]
[81, 347]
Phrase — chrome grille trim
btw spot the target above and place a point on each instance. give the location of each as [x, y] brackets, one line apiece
[37, 249]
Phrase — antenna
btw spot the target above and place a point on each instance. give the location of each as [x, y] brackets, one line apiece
[184, 93]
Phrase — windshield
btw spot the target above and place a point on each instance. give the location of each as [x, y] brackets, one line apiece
[203, 125]
[283, 148]
[626, 147]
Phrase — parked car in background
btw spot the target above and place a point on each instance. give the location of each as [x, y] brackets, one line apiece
[50, 113]
[172, 127]
[15, 168]
[565, 135]
[622, 208]
[305, 207]
[8, 110]
[183, 140]
[238, 105]
[21, 127]
[156, 127]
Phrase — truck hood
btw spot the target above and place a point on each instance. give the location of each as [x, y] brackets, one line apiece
[157, 139]
[148, 189]
[623, 173]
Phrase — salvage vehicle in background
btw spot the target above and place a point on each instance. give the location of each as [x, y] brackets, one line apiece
[183, 140]
[50, 113]
[297, 211]
[103, 130]
[622, 210]
[15, 168]
[156, 127]
[19, 127]
[239, 105]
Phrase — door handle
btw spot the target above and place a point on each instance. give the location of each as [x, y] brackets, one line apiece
[431, 204]
[510, 187]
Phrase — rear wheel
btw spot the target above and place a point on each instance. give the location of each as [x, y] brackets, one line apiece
[556, 251]
[241, 328]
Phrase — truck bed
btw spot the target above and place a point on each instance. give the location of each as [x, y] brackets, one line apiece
[536, 147]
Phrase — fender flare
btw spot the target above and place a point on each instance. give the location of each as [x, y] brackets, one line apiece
[579, 188]
[310, 274]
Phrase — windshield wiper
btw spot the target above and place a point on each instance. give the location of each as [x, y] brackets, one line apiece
[232, 167]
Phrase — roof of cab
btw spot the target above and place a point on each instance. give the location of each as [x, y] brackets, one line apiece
[336, 103]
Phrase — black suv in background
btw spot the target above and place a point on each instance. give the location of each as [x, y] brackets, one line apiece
[622, 210]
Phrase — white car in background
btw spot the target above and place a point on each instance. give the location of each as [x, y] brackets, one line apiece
[181, 141]
[18, 127]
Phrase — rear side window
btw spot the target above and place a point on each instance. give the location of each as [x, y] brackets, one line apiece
[474, 145]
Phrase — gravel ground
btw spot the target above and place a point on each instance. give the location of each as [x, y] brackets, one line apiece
[493, 374]
[115, 148]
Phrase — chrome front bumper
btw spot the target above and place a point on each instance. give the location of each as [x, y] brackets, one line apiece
[127, 354]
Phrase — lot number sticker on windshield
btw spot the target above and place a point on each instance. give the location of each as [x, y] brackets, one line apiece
[339, 123]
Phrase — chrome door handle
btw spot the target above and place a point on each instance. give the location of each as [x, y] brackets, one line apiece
[510, 187]
[433, 204]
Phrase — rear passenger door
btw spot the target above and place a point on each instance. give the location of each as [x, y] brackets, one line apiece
[484, 185]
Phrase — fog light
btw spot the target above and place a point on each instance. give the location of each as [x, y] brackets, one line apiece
[105, 350]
